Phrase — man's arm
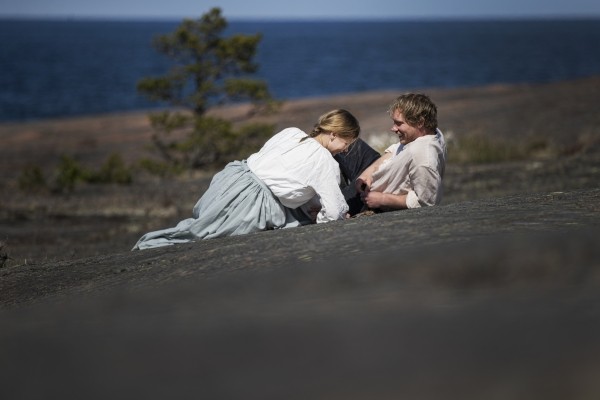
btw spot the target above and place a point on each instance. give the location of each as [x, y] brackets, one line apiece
[425, 192]
[385, 200]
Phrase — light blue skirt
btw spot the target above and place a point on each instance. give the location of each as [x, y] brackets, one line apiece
[237, 202]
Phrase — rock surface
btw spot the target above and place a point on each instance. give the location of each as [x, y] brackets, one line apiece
[484, 299]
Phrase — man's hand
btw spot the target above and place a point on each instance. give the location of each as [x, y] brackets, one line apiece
[373, 199]
[387, 201]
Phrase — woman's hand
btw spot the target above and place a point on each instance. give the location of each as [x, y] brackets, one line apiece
[363, 184]
[313, 211]
[365, 180]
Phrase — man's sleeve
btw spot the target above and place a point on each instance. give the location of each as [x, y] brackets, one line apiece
[426, 188]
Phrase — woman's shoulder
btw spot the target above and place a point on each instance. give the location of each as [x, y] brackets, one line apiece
[292, 132]
[284, 138]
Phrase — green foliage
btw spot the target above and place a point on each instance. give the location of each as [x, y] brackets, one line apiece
[251, 137]
[210, 142]
[208, 70]
[206, 66]
[68, 173]
[32, 179]
[159, 168]
[113, 170]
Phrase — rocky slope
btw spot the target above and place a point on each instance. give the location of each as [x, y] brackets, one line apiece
[479, 299]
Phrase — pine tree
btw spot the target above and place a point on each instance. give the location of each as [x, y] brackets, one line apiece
[208, 70]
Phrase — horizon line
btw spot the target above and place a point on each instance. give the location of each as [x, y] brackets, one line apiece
[432, 18]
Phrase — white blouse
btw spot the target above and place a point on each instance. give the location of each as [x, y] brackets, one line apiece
[298, 171]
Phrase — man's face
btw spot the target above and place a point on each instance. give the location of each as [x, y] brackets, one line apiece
[406, 133]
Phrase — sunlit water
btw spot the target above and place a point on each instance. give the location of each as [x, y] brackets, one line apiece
[67, 68]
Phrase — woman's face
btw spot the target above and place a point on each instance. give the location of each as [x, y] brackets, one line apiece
[338, 145]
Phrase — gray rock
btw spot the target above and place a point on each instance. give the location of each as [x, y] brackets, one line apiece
[496, 298]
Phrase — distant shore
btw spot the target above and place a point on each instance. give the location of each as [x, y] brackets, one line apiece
[560, 111]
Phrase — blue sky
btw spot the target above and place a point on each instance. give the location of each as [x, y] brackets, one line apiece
[304, 9]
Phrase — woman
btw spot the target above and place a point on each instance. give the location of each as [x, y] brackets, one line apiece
[293, 180]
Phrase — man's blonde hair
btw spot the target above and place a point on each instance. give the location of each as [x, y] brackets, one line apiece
[418, 110]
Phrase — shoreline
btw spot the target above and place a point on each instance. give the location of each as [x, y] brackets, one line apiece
[352, 97]
[367, 97]
[493, 110]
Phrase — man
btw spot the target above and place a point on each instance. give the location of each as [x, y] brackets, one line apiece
[409, 174]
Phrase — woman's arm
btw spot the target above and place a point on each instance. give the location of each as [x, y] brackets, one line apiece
[325, 182]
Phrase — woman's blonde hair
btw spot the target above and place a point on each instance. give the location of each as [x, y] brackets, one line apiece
[339, 121]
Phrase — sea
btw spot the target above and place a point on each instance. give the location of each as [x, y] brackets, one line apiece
[61, 68]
